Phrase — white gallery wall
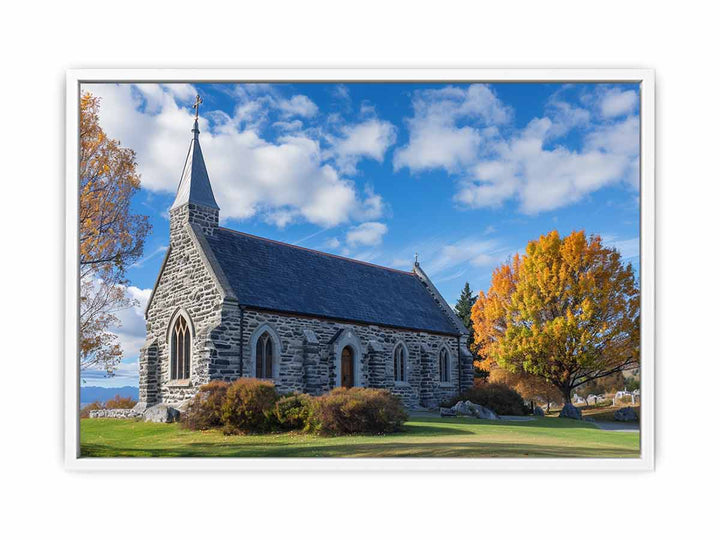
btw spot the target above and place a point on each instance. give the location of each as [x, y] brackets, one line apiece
[40, 42]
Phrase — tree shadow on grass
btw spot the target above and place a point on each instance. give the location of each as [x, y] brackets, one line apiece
[364, 450]
[538, 422]
[430, 431]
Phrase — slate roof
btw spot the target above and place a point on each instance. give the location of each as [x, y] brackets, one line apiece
[275, 276]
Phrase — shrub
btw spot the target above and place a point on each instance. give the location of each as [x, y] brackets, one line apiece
[496, 396]
[120, 402]
[249, 407]
[356, 410]
[205, 409]
[94, 406]
[292, 412]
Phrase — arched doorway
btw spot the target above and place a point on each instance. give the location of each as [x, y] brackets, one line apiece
[347, 368]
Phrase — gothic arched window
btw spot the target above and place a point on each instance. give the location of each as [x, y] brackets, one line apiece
[444, 365]
[180, 350]
[400, 358]
[264, 357]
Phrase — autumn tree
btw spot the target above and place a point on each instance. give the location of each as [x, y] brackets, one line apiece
[567, 311]
[530, 387]
[463, 308]
[111, 236]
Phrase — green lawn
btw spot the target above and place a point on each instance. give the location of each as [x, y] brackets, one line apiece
[424, 437]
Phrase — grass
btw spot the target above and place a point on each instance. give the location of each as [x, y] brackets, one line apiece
[424, 437]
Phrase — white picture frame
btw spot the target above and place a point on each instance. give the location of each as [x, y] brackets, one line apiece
[644, 77]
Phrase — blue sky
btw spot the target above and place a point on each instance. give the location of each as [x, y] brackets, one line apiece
[463, 174]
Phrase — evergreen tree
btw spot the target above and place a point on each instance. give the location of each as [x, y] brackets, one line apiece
[464, 305]
[463, 308]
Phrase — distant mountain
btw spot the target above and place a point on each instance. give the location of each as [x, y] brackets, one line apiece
[88, 394]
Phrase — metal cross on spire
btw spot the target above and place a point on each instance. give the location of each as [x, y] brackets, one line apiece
[196, 106]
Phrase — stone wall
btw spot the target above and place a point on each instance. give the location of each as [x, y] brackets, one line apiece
[186, 286]
[115, 413]
[310, 349]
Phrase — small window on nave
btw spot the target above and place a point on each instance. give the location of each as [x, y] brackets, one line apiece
[400, 364]
[264, 357]
[444, 365]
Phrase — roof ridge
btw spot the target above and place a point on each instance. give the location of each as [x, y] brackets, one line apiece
[317, 251]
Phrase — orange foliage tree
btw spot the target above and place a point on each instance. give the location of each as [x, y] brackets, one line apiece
[111, 237]
[530, 387]
[566, 311]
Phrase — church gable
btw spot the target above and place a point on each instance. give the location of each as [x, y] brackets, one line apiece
[188, 275]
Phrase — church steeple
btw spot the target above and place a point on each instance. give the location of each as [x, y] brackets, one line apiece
[194, 193]
[194, 184]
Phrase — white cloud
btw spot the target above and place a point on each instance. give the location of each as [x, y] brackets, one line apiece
[341, 92]
[295, 125]
[332, 243]
[183, 92]
[629, 248]
[565, 116]
[545, 178]
[369, 139]
[402, 263]
[366, 234]
[131, 332]
[440, 136]
[280, 181]
[465, 133]
[298, 106]
[126, 373]
[616, 102]
[450, 277]
[472, 251]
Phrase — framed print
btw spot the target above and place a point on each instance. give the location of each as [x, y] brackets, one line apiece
[360, 269]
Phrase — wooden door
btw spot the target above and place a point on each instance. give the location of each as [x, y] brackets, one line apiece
[347, 371]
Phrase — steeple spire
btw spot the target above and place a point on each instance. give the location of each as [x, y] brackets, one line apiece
[196, 106]
[194, 187]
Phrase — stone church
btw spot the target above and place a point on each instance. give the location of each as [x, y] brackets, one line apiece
[227, 304]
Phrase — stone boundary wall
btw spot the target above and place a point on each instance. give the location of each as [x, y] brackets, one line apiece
[115, 413]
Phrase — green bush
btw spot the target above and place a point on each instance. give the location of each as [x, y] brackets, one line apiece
[249, 407]
[496, 396]
[205, 409]
[356, 410]
[292, 412]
